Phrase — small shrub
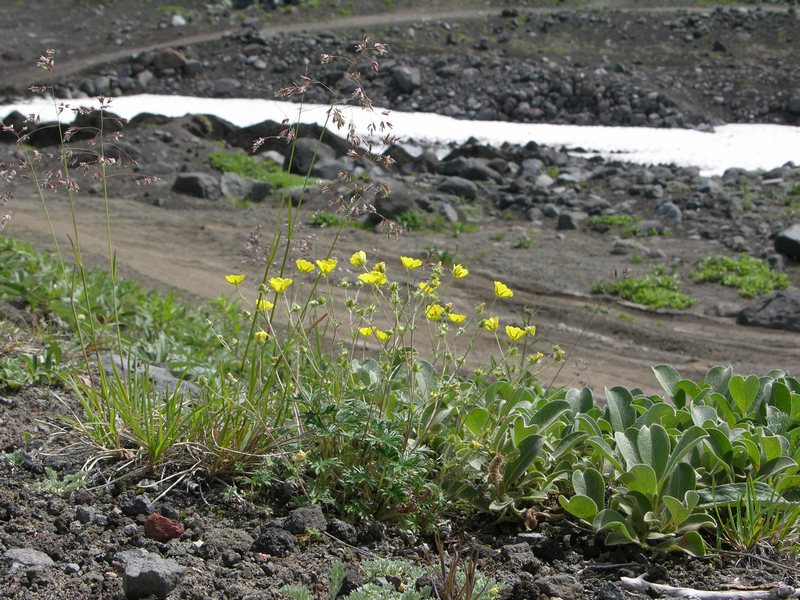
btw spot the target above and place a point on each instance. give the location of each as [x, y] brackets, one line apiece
[657, 289]
[753, 276]
[252, 167]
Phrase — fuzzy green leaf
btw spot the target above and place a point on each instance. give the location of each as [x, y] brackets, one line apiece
[642, 479]
[581, 507]
[668, 377]
[620, 413]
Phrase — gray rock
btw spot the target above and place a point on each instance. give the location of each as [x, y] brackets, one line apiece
[551, 210]
[475, 169]
[560, 586]
[223, 539]
[306, 151]
[168, 58]
[151, 575]
[780, 310]
[276, 542]
[343, 531]
[233, 185]
[304, 518]
[192, 67]
[84, 514]
[199, 185]
[138, 505]
[669, 211]
[571, 219]
[28, 557]
[159, 377]
[145, 77]
[226, 86]
[407, 79]
[400, 199]
[458, 186]
[787, 242]
[531, 166]
[794, 103]
[329, 169]
[511, 550]
[544, 181]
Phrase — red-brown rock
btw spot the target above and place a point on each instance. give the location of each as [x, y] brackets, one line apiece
[162, 529]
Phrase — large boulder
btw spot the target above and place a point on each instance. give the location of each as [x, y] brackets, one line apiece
[306, 151]
[780, 310]
[787, 242]
[199, 185]
[407, 79]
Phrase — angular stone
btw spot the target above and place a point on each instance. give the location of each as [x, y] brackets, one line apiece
[151, 575]
[560, 586]
[787, 242]
[780, 310]
[162, 529]
[28, 557]
[458, 186]
[199, 185]
[304, 518]
[276, 542]
[407, 79]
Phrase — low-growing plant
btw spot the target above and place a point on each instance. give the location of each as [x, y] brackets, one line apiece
[656, 289]
[522, 242]
[53, 483]
[252, 167]
[615, 220]
[753, 276]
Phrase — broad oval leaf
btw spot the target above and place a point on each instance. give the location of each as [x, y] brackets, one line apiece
[618, 404]
[580, 401]
[668, 377]
[476, 420]
[528, 450]
[590, 483]
[642, 479]
[581, 507]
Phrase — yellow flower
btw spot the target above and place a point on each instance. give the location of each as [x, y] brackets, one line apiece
[475, 444]
[279, 284]
[358, 259]
[366, 331]
[382, 335]
[373, 278]
[456, 317]
[327, 265]
[261, 336]
[234, 279]
[494, 591]
[428, 287]
[535, 358]
[380, 267]
[299, 456]
[515, 333]
[501, 290]
[264, 305]
[304, 266]
[491, 324]
[459, 272]
[434, 312]
[411, 263]
[558, 353]
[531, 330]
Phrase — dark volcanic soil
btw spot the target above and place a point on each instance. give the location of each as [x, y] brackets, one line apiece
[613, 63]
